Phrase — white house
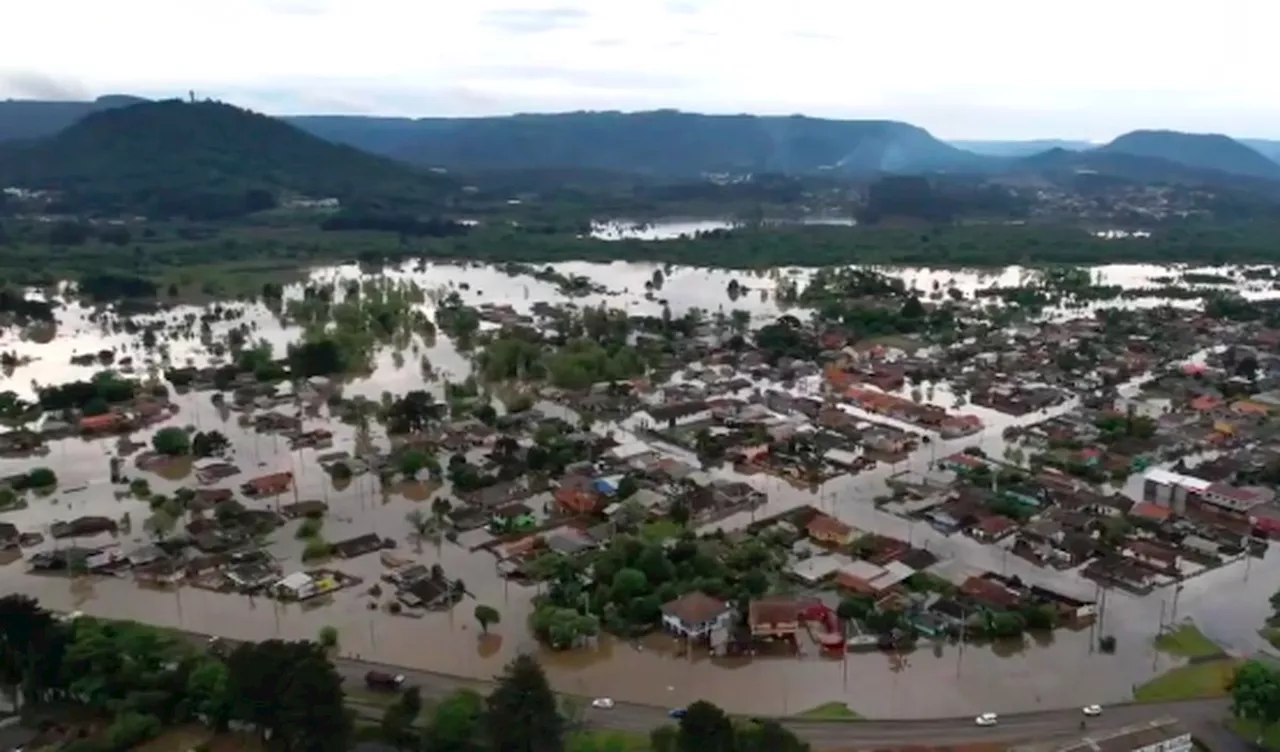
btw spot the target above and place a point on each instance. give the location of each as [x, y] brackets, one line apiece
[696, 615]
[662, 417]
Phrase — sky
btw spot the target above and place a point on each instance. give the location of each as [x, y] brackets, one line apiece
[972, 69]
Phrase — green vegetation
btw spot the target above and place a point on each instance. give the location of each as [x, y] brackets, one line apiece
[1189, 642]
[634, 577]
[830, 711]
[171, 441]
[1268, 737]
[487, 615]
[1255, 703]
[37, 479]
[215, 161]
[180, 254]
[328, 637]
[1207, 679]
[310, 528]
[140, 680]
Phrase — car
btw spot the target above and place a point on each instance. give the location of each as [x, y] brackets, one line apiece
[986, 719]
[1091, 710]
[677, 713]
[383, 681]
[603, 703]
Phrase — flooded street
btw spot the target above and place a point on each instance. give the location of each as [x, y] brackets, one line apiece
[1057, 670]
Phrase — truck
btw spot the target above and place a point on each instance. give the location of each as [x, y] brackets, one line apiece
[384, 681]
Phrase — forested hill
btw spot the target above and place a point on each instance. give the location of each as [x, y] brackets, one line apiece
[667, 143]
[1203, 151]
[204, 158]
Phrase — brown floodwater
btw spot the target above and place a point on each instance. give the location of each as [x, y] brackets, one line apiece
[1040, 672]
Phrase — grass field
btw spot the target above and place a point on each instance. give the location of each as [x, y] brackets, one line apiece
[1194, 681]
[830, 711]
[1248, 730]
[1187, 642]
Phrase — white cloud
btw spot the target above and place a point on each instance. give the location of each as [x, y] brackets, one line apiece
[982, 68]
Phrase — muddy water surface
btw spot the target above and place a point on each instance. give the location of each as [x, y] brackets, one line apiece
[1059, 670]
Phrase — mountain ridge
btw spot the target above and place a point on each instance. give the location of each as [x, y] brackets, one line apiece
[1210, 151]
[657, 144]
[172, 155]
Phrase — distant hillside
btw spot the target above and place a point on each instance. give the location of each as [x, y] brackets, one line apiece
[1020, 148]
[1266, 147]
[1066, 167]
[1204, 151]
[22, 119]
[663, 143]
[179, 157]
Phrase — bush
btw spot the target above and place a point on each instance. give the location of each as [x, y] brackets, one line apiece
[171, 441]
[129, 730]
[316, 548]
[41, 477]
[310, 528]
[328, 637]
[140, 487]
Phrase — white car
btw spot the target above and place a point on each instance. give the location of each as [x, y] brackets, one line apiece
[1092, 710]
[986, 719]
[602, 703]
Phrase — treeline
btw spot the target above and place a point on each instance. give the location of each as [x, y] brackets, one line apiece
[755, 247]
[142, 680]
[404, 224]
[15, 303]
[939, 201]
[137, 681]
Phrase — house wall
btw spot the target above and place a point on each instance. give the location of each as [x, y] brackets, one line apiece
[673, 624]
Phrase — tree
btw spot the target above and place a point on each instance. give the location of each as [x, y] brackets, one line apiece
[705, 728]
[420, 521]
[768, 736]
[289, 692]
[399, 717]
[41, 477]
[159, 524]
[411, 463]
[171, 441]
[328, 637]
[455, 724]
[209, 444]
[487, 615]
[627, 487]
[521, 713]
[1255, 694]
[207, 688]
[31, 647]
[854, 607]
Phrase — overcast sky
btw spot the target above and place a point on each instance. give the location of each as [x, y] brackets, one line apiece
[1086, 69]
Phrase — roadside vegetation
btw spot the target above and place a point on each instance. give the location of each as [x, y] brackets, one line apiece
[107, 686]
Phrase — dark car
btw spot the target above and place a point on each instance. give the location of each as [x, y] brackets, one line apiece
[677, 713]
[384, 681]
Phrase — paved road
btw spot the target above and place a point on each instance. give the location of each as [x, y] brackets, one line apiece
[828, 734]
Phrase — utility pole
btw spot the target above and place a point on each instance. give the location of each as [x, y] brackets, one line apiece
[1155, 654]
